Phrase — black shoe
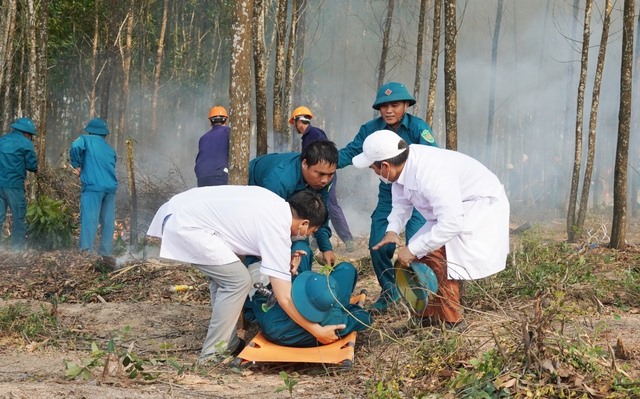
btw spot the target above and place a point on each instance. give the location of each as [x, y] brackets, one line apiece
[447, 325]
[239, 348]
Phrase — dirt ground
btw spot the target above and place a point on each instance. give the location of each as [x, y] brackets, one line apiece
[137, 310]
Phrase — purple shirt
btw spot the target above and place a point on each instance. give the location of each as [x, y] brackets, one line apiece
[213, 153]
[312, 134]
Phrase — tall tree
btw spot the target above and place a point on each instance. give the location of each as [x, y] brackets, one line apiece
[37, 74]
[386, 36]
[280, 132]
[157, 70]
[289, 74]
[577, 160]
[260, 76]
[94, 58]
[240, 92]
[435, 55]
[8, 24]
[450, 85]
[301, 32]
[595, 102]
[492, 79]
[417, 80]
[619, 225]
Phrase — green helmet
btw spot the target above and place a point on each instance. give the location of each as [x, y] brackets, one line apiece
[97, 126]
[390, 92]
[24, 125]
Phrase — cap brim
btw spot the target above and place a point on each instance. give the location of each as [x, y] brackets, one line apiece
[361, 161]
[301, 301]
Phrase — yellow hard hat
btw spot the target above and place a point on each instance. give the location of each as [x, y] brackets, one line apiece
[300, 111]
[218, 111]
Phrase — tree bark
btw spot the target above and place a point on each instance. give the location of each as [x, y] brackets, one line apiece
[298, 78]
[125, 57]
[492, 80]
[450, 91]
[572, 232]
[279, 131]
[94, 58]
[595, 102]
[8, 37]
[37, 73]
[619, 225]
[289, 73]
[386, 35]
[240, 92]
[158, 69]
[133, 195]
[417, 80]
[260, 75]
[435, 55]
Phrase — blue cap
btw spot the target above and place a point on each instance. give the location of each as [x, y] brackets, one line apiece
[24, 125]
[416, 284]
[315, 295]
[97, 126]
[391, 92]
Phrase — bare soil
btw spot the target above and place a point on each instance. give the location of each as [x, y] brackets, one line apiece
[136, 309]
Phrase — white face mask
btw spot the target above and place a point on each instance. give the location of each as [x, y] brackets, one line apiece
[300, 237]
[385, 180]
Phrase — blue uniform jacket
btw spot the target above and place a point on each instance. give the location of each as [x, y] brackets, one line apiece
[213, 152]
[97, 159]
[17, 155]
[412, 129]
[313, 134]
[282, 174]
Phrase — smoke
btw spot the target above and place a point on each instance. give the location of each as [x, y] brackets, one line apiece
[532, 144]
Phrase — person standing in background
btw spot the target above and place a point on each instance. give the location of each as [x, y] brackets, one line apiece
[95, 162]
[301, 121]
[392, 100]
[17, 156]
[212, 161]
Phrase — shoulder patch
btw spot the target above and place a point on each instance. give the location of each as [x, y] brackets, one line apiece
[427, 136]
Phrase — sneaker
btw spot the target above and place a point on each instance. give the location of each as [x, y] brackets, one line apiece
[350, 245]
[447, 325]
[239, 348]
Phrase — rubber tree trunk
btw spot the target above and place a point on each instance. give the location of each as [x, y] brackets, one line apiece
[619, 225]
[572, 232]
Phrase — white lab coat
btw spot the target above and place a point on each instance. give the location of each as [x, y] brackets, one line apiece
[465, 206]
[213, 225]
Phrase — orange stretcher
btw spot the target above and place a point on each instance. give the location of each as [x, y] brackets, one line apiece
[340, 352]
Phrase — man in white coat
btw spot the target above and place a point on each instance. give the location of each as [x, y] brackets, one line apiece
[210, 226]
[466, 236]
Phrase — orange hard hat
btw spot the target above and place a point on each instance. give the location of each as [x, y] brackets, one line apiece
[218, 111]
[300, 111]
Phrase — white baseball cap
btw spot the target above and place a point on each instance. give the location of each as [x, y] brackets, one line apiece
[378, 146]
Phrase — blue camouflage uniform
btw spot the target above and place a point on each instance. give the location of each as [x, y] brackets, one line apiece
[213, 157]
[280, 329]
[97, 161]
[282, 174]
[17, 156]
[413, 130]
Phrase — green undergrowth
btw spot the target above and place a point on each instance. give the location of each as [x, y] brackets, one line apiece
[545, 337]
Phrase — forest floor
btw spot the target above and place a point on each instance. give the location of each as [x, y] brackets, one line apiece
[90, 320]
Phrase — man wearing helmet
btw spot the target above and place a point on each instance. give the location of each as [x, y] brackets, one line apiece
[212, 160]
[95, 163]
[17, 156]
[301, 120]
[392, 100]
